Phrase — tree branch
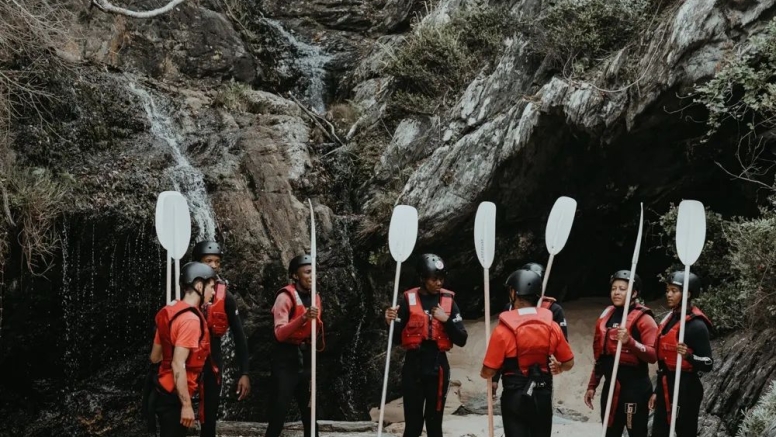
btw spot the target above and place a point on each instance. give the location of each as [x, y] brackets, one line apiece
[107, 6]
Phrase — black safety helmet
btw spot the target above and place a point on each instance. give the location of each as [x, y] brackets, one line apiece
[299, 261]
[525, 282]
[192, 271]
[625, 276]
[204, 248]
[431, 265]
[534, 267]
[677, 278]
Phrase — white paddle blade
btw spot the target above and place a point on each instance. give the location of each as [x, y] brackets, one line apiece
[485, 233]
[403, 232]
[690, 231]
[179, 221]
[636, 251]
[162, 233]
[559, 224]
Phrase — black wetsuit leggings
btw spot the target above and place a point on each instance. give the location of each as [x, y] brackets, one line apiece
[690, 397]
[422, 401]
[168, 411]
[288, 383]
[535, 425]
[632, 405]
[212, 386]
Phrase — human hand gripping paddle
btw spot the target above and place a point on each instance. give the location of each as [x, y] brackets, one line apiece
[628, 295]
[401, 240]
[485, 245]
[173, 228]
[314, 339]
[690, 237]
[557, 233]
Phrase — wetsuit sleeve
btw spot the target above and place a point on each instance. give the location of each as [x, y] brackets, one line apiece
[455, 328]
[235, 324]
[645, 350]
[595, 379]
[559, 317]
[697, 339]
[281, 312]
[401, 320]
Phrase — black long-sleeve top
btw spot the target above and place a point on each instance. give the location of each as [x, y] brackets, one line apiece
[240, 341]
[428, 358]
[696, 337]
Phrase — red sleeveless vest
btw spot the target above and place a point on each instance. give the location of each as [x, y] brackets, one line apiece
[305, 332]
[196, 359]
[532, 327]
[217, 320]
[605, 339]
[666, 344]
[422, 326]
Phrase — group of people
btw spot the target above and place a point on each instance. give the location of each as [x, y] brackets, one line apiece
[528, 347]
[186, 353]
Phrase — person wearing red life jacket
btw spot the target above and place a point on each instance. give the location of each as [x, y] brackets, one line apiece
[529, 347]
[294, 313]
[696, 359]
[181, 347]
[429, 323]
[633, 387]
[550, 303]
[222, 315]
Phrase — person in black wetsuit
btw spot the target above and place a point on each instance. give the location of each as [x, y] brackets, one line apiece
[558, 316]
[222, 315]
[696, 358]
[430, 324]
[291, 358]
[633, 388]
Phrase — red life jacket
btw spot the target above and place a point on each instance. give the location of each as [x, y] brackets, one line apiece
[197, 357]
[418, 329]
[605, 339]
[305, 332]
[217, 320]
[547, 302]
[532, 327]
[666, 344]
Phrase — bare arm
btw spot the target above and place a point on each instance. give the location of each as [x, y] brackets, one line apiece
[567, 365]
[179, 357]
[487, 372]
[156, 353]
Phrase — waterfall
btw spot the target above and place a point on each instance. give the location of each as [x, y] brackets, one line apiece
[186, 178]
[311, 61]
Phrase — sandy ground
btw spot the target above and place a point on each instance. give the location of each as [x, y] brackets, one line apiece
[468, 389]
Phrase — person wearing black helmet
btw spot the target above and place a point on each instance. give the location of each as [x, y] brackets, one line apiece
[294, 313]
[429, 323]
[550, 303]
[222, 315]
[529, 347]
[696, 358]
[633, 386]
[181, 347]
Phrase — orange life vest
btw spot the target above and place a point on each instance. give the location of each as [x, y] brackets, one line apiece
[666, 344]
[605, 339]
[217, 320]
[421, 326]
[305, 332]
[547, 302]
[197, 357]
[532, 328]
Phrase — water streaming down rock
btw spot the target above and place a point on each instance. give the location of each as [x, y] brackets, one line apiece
[311, 61]
[186, 178]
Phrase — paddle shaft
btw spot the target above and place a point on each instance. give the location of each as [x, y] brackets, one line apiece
[313, 353]
[674, 403]
[388, 352]
[545, 279]
[168, 280]
[177, 283]
[486, 275]
[613, 379]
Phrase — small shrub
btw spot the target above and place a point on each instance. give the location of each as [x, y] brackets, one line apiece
[576, 34]
[743, 89]
[232, 96]
[437, 61]
[761, 417]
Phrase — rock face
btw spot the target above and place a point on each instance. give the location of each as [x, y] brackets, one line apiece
[145, 110]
